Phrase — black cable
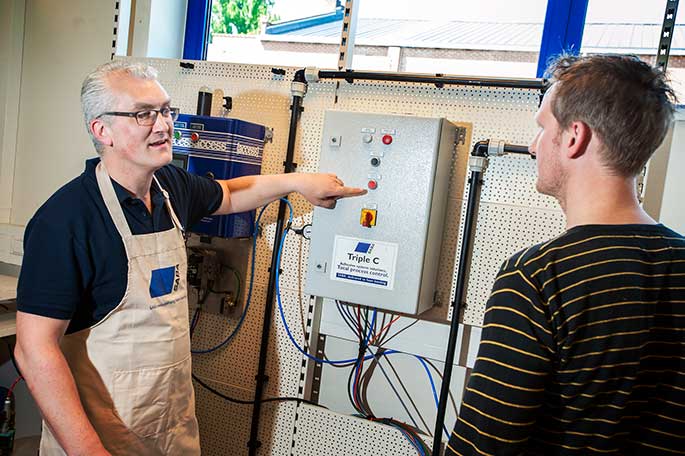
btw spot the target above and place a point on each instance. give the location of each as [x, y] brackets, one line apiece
[411, 400]
[401, 331]
[243, 402]
[369, 374]
[382, 340]
[11, 353]
[347, 319]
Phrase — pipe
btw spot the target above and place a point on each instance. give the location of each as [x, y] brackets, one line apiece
[439, 80]
[514, 149]
[298, 89]
[477, 165]
[480, 153]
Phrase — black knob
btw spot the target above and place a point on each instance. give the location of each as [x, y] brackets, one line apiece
[375, 161]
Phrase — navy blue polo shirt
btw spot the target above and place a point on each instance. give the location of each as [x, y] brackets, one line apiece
[75, 266]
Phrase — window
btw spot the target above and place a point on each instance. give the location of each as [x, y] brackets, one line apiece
[502, 38]
[448, 36]
[634, 27]
[261, 32]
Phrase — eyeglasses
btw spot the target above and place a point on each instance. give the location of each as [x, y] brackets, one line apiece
[147, 117]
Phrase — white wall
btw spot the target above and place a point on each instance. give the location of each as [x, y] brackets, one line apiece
[61, 45]
[11, 43]
[672, 204]
[159, 28]
[46, 50]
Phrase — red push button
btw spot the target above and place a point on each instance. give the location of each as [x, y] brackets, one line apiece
[194, 137]
[373, 185]
[387, 139]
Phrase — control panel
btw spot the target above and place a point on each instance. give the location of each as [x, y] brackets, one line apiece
[382, 249]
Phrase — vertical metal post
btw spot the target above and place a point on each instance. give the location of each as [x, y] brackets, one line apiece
[349, 31]
[667, 31]
[298, 89]
[477, 166]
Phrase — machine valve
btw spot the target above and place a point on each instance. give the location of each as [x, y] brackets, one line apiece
[368, 218]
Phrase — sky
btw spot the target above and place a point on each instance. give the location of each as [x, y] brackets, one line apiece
[632, 11]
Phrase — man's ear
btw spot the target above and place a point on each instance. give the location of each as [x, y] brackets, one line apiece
[101, 132]
[576, 139]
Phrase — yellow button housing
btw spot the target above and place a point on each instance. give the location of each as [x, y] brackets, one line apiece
[368, 218]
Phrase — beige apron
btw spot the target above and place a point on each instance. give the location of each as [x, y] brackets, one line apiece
[133, 368]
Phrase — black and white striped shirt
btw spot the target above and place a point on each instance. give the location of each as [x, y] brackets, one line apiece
[583, 349]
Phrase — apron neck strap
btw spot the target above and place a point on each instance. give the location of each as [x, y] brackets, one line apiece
[111, 201]
[177, 223]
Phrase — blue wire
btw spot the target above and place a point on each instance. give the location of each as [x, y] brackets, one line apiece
[193, 322]
[249, 293]
[285, 323]
[368, 335]
[435, 394]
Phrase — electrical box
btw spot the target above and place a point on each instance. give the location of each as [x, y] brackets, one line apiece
[382, 249]
[220, 148]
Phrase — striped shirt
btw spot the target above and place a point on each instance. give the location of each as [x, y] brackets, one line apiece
[583, 349]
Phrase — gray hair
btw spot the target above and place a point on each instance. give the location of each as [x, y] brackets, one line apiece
[96, 96]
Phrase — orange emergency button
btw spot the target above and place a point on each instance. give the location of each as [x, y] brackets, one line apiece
[368, 218]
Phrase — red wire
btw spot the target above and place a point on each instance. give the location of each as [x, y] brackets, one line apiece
[11, 390]
[373, 339]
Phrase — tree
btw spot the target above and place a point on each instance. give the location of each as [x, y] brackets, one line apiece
[240, 16]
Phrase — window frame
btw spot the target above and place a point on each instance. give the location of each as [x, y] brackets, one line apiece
[562, 30]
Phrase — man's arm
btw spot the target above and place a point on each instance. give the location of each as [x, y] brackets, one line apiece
[49, 379]
[506, 389]
[249, 192]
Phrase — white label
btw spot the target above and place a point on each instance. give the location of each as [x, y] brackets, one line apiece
[244, 149]
[364, 262]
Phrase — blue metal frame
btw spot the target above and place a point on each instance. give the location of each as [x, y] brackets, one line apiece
[285, 27]
[197, 29]
[563, 30]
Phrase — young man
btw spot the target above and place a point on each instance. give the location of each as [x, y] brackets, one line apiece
[583, 342]
[105, 353]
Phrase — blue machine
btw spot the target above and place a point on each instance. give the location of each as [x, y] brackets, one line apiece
[220, 148]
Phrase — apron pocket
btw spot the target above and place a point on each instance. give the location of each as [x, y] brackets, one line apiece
[142, 397]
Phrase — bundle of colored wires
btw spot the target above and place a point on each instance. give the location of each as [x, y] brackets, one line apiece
[364, 333]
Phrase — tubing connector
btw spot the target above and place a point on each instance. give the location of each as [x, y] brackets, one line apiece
[478, 163]
[298, 88]
[311, 74]
[495, 148]
[480, 149]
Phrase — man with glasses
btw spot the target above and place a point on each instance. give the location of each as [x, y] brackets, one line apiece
[102, 333]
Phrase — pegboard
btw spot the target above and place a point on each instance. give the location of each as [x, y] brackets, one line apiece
[512, 215]
[324, 433]
[517, 228]
[225, 426]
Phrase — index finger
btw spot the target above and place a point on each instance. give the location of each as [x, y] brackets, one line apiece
[346, 192]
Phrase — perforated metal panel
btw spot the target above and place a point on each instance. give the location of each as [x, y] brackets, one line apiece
[512, 215]
[324, 433]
